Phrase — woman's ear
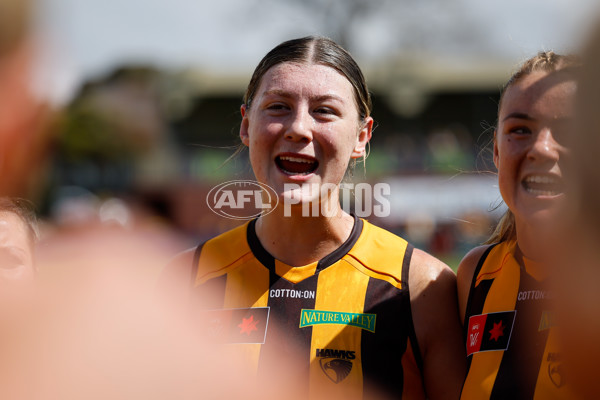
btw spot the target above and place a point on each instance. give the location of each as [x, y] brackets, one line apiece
[496, 156]
[244, 126]
[364, 135]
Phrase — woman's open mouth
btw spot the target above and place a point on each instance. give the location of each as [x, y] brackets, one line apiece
[296, 164]
[542, 185]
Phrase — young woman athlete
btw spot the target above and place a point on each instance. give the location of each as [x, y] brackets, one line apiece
[357, 305]
[503, 298]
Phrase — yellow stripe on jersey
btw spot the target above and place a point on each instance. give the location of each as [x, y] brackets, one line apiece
[339, 289]
[551, 375]
[501, 297]
[295, 274]
[380, 254]
[247, 287]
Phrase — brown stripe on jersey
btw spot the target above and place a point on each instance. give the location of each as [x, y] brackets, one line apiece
[411, 333]
[196, 264]
[476, 299]
[519, 369]
[475, 302]
[257, 248]
[382, 363]
[211, 294]
[341, 251]
[284, 341]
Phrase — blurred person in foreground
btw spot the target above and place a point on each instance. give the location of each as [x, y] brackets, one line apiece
[358, 308]
[93, 329]
[23, 117]
[576, 271]
[504, 297]
[18, 236]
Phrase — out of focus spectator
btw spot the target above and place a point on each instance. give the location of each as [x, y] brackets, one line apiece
[18, 234]
[577, 268]
[22, 117]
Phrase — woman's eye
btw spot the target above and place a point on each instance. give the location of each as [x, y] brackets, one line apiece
[325, 111]
[9, 261]
[520, 130]
[276, 107]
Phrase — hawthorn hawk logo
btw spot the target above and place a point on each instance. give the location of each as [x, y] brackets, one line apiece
[336, 364]
[336, 369]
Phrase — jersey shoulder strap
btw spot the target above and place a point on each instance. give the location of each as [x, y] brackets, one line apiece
[218, 255]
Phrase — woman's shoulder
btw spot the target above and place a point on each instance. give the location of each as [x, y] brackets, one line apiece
[484, 258]
[427, 272]
[466, 272]
[468, 264]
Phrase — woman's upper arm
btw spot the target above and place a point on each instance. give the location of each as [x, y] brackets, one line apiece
[437, 326]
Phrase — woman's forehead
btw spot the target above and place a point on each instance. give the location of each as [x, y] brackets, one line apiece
[13, 229]
[311, 76]
[540, 89]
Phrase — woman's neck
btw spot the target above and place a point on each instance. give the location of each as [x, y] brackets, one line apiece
[299, 240]
[532, 241]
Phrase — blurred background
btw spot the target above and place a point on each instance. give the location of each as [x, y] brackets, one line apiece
[146, 98]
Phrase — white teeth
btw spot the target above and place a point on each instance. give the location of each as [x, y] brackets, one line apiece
[296, 159]
[538, 192]
[540, 179]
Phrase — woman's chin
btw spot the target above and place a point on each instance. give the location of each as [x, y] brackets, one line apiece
[298, 202]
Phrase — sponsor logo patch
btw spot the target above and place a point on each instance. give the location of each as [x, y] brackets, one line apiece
[490, 332]
[236, 325]
[534, 295]
[319, 317]
[336, 364]
[292, 293]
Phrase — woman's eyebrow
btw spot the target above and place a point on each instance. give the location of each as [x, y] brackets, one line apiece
[518, 115]
[286, 94]
[329, 97]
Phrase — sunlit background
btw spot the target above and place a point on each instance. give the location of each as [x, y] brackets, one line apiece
[148, 93]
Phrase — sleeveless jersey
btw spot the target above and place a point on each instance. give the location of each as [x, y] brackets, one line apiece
[509, 330]
[346, 318]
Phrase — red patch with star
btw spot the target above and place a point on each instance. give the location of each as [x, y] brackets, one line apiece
[236, 325]
[490, 332]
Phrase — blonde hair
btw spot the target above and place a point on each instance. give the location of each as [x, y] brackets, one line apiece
[546, 61]
[14, 23]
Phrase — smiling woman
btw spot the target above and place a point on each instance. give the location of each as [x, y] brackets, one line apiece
[356, 308]
[502, 286]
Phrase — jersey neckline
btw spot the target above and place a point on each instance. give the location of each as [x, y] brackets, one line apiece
[266, 259]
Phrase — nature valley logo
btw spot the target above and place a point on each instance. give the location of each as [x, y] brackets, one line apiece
[318, 317]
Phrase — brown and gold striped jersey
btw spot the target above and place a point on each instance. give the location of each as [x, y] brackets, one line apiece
[509, 330]
[345, 318]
